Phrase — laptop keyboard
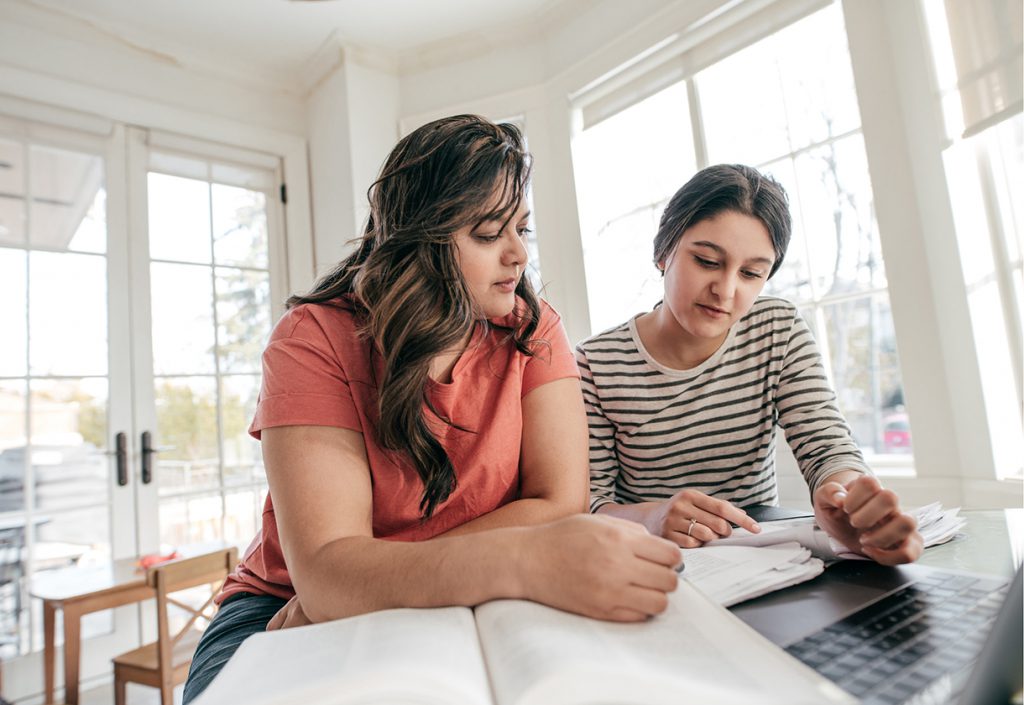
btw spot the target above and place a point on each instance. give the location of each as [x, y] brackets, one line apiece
[893, 649]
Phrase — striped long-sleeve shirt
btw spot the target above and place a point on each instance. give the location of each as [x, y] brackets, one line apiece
[655, 431]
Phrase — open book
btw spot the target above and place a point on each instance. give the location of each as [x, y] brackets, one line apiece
[512, 652]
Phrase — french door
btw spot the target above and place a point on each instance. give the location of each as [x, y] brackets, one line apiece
[138, 275]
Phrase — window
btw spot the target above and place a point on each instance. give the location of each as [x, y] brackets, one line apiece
[787, 105]
[985, 175]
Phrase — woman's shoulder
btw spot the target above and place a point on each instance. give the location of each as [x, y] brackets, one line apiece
[771, 311]
[314, 322]
[616, 337]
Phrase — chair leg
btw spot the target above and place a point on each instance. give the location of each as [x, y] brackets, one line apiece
[120, 688]
[167, 693]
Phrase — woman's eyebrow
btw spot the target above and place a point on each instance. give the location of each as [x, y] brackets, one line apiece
[721, 251]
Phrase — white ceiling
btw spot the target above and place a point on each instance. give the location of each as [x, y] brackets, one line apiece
[283, 35]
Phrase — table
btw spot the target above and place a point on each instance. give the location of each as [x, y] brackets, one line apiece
[80, 590]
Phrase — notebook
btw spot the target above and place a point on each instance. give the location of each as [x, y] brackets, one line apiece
[910, 634]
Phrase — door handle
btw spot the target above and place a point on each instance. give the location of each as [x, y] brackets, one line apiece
[121, 453]
[148, 451]
[147, 457]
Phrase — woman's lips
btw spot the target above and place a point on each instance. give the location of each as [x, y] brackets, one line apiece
[712, 311]
[508, 285]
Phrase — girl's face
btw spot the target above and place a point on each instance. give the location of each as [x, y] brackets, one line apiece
[492, 256]
[714, 274]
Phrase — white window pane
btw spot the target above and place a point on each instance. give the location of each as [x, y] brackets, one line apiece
[819, 93]
[182, 301]
[190, 520]
[12, 313]
[186, 412]
[242, 455]
[637, 157]
[741, 100]
[65, 188]
[179, 219]
[837, 215]
[626, 168]
[866, 373]
[243, 318]
[239, 226]
[67, 314]
[12, 193]
[240, 513]
[792, 281]
[69, 432]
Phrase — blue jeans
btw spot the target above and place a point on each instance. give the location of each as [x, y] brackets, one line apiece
[240, 616]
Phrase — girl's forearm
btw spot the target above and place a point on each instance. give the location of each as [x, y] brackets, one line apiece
[522, 512]
[360, 574]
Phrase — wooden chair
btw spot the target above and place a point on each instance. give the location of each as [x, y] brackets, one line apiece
[164, 663]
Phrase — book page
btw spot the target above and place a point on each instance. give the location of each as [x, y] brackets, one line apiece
[394, 657]
[696, 652]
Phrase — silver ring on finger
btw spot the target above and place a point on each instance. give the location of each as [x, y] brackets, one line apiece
[693, 522]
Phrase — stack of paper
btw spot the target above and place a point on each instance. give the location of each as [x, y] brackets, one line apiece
[937, 525]
[732, 574]
[787, 552]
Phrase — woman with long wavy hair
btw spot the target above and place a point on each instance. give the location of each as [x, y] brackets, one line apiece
[422, 425]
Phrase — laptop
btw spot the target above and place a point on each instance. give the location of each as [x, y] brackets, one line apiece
[906, 634]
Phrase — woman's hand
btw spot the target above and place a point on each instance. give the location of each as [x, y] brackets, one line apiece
[691, 518]
[291, 615]
[600, 567]
[867, 520]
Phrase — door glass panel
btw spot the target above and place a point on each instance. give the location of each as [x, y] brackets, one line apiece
[186, 411]
[183, 333]
[12, 193]
[13, 291]
[66, 200]
[189, 520]
[179, 219]
[239, 394]
[239, 226]
[13, 406]
[243, 317]
[240, 516]
[211, 320]
[67, 313]
[69, 429]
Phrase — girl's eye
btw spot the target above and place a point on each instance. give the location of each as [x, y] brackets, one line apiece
[752, 275]
[481, 237]
[706, 263]
[523, 232]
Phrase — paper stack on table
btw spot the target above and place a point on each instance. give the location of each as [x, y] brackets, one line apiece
[787, 552]
[937, 525]
[732, 574]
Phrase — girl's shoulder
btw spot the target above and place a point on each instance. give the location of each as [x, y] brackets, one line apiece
[771, 311]
[616, 336]
[318, 322]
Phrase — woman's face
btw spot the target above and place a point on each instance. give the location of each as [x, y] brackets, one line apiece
[492, 256]
[715, 273]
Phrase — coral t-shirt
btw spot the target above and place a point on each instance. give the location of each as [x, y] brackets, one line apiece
[318, 371]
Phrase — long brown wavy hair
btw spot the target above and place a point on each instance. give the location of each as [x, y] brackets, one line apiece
[404, 280]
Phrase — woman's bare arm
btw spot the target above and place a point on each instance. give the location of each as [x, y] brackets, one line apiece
[320, 483]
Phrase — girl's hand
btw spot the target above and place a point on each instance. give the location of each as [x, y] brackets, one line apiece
[599, 566]
[867, 520]
[691, 518]
[291, 615]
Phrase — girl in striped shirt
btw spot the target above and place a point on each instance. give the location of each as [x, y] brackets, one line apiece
[683, 402]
